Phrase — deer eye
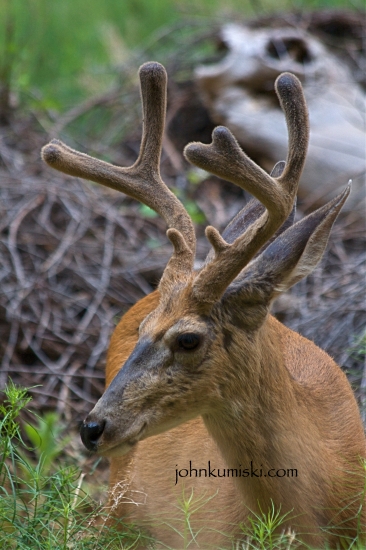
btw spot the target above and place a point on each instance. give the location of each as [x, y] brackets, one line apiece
[188, 341]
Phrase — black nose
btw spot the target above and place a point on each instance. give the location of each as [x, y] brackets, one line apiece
[90, 433]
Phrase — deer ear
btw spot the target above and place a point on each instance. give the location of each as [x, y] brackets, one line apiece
[292, 256]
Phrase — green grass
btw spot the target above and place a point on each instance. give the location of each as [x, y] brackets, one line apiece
[43, 505]
[56, 53]
[42, 502]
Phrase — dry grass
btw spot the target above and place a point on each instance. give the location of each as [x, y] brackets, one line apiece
[74, 256]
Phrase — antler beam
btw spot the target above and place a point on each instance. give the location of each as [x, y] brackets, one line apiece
[142, 180]
[224, 158]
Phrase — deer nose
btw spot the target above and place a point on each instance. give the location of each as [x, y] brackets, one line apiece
[90, 433]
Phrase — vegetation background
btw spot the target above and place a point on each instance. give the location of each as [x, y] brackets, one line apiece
[53, 54]
[63, 63]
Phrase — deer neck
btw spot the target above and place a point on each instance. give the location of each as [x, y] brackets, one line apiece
[255, 425]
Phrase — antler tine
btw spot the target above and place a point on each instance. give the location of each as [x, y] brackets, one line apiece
[224, 158]
[292, 100]
[153, 82]
[142, 180]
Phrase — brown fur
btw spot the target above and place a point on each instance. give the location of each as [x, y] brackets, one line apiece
[210, 380]
[324, 447]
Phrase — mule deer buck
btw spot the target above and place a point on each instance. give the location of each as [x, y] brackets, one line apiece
[202, 382]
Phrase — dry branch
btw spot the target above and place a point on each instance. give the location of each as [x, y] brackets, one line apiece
[74, 256]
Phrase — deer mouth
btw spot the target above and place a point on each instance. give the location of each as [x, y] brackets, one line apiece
[125, 446]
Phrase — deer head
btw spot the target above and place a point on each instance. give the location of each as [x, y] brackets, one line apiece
[202, 340]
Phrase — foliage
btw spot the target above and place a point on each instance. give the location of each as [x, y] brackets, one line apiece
[358, 350]
[42, 504]
[69, 52]
[45, 439]
[264, 533]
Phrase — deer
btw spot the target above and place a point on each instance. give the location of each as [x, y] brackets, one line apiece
[201, 380]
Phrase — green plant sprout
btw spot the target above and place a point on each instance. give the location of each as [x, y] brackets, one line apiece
[44, 508]
[264, 531]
